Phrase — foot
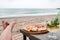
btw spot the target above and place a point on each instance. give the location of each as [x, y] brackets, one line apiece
[5, 24]
[12, 23]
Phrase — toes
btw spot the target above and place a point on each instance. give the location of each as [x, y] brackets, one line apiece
[5, 24]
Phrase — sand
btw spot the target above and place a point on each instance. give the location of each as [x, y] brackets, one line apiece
[22, 21]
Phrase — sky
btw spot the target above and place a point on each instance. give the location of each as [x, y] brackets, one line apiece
[29, 3]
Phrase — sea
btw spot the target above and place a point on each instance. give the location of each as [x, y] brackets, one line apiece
[17, 12]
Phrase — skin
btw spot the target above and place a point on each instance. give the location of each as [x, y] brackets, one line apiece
[7, 33]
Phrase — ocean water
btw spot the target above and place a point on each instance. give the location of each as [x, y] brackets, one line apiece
[19, 11]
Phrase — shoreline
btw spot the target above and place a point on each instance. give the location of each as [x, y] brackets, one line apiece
[22, 15]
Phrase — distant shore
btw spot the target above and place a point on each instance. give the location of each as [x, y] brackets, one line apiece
[21, 15]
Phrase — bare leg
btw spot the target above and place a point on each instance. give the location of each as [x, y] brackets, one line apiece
[5, 24]
[7, 33]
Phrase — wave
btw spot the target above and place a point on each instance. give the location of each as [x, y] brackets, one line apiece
[21, 15]
[13, 12]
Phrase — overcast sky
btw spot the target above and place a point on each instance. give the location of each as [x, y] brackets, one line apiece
[29, 3]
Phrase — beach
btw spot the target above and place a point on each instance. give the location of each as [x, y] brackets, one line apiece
[25, 20]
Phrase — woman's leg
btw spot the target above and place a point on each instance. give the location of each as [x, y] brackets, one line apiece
[7, 33]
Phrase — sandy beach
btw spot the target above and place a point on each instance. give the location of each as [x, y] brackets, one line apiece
[25, 20]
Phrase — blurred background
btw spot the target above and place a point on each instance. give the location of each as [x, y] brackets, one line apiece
[24, 8]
